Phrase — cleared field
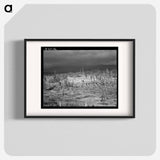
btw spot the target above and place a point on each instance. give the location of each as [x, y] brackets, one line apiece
[76, 89]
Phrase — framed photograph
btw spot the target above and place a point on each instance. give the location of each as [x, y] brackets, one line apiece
[79, 78]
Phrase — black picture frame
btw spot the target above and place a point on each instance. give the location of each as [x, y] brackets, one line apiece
[25, 76]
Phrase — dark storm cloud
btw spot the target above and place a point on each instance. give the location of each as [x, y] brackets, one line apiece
[55, 59]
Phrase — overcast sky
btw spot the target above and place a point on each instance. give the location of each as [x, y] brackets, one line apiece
[59, 59]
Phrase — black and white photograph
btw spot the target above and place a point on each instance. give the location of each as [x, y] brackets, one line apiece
[85, 78]
[79, 77]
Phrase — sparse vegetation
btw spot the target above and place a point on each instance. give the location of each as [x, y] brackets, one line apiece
[85, 88]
